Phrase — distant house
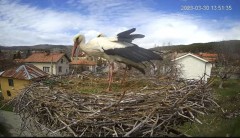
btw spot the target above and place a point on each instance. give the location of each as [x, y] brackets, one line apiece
[17, 60]
[79, 65]
[52, 63]
[82, 62]
[15, 79]
[193, 67]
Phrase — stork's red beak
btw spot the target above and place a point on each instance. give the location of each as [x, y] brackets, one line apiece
[75, 45]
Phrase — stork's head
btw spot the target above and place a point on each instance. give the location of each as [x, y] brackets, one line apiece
[77, 41]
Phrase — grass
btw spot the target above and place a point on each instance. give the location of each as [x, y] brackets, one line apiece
[6, 107]
[216, 124]
[100, 85]
[213, 126]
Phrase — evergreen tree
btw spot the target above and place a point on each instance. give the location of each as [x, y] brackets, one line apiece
[18, 56]
[28, 53]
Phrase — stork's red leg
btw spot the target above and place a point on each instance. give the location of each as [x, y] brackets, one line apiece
[111, 67]
[124, 76]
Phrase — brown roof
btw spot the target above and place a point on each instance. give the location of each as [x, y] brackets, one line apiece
[82, 62]
[26, 72]
[208, 56]
[45, 57]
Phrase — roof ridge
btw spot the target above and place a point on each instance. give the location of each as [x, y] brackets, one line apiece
[25, 70]
[191, 54]
[42, 57]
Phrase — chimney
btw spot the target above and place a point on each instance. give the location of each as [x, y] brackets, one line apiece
[47, 52]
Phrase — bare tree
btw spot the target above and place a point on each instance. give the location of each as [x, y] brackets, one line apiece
[167, 67]
[227, 61]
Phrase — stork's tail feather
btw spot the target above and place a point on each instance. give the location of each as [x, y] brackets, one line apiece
[134, 66]
[138, 68]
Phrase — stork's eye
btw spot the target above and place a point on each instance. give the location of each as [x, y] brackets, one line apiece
[76, 39]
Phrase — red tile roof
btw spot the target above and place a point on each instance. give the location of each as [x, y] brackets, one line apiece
[26, 72]
[211, 57]
[83, 62]
[45, 57]
[208, 54]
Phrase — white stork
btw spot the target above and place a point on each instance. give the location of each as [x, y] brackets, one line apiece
[119, 48]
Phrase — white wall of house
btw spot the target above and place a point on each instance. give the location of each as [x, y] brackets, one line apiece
[62, 66]
[194, 68]
[54, 68]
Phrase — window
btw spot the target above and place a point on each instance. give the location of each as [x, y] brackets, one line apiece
[61, 60]
[9, 93]
[59, 69]
[46, 69]
[10, 82]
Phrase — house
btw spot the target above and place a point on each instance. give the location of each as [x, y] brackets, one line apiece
[82, 62]
[52, 63]
[15, 79]
[80, 65]
[193, 67]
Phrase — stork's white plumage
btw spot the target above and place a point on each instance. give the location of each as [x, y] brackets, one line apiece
[119, 48]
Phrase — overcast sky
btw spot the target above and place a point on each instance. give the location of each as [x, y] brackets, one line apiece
[32, 22]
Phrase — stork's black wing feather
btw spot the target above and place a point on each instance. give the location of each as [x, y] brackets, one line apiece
[127, 36]
[126, 33]
[134, 53]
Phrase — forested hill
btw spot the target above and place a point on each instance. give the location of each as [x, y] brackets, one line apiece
[231, 45]
[41, 47]
[35, 47]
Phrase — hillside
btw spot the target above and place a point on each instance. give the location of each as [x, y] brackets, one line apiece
[231, 45]
[42, 47]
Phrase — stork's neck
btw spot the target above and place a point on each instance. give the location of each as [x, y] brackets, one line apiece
[82, 43]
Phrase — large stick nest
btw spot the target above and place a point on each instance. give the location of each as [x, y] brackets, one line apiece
[144, 112]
